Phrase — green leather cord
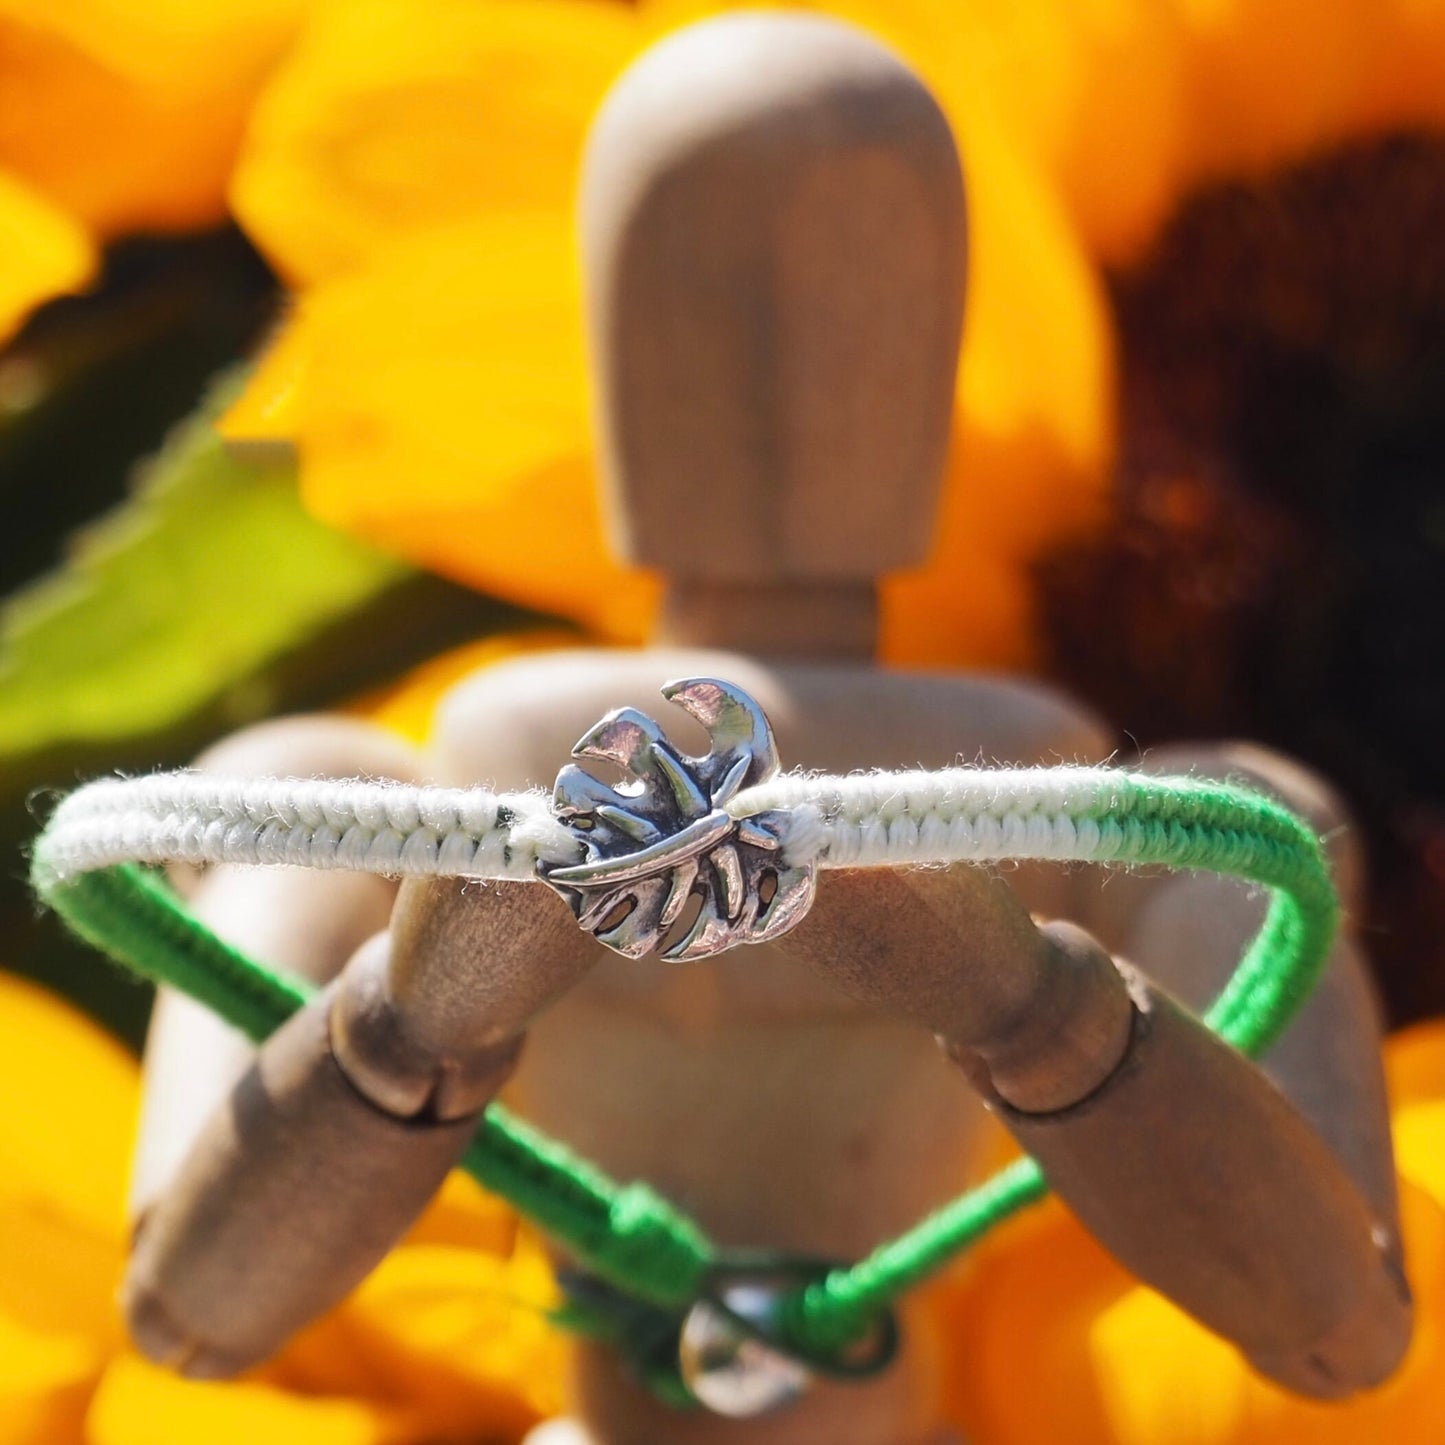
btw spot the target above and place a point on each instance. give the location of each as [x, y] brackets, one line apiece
[630, 1236]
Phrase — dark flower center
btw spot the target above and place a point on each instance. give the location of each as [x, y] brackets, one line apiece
[1277, 566]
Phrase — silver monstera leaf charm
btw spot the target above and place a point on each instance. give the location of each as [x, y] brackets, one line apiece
[664, 837]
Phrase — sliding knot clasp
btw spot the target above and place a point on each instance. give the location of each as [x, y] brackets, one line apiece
[736, 1354]
[664, 839]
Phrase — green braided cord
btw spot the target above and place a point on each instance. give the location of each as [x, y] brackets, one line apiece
[629, 1233]
[130, 914]
[631, 1236]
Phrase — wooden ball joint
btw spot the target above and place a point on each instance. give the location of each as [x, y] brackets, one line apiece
[774, 234]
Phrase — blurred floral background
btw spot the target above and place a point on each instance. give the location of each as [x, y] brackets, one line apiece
[292, 384]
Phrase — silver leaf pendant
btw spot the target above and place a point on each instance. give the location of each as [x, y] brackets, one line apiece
[664, 837]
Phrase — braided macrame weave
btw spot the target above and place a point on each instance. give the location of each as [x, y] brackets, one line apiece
[84, 866]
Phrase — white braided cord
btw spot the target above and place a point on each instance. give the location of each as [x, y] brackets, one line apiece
[376, 827]
[398, 829]
[953, 815]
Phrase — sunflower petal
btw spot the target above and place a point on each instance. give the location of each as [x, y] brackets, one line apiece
[392, 117]
[139, 1403]
[457, 365]
[457, 1338]
[1126, 1367]
[1033, 430]
[42, 253]
[129, 116]
[46, 1382]
[71, 1097]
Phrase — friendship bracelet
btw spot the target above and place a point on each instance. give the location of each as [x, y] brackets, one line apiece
[747, 840]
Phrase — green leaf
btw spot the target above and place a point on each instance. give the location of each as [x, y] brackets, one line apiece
[207, 599]
[207, 572]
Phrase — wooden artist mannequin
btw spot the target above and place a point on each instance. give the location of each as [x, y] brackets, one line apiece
[774, 231]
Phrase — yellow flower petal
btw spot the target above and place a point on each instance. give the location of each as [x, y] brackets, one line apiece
[46, 1382]
[1030, 464]
[1404, 82]
[457, 366]
[1415, 1064]
[393, 116]
[57, 1277]
[148, 41]
[139, 1403]
[409, 705]
[1037, 347]
[967, 609]
[1163, 1377]
[129, 115]
[1125, 104]
[1417, 1087]
[1088, 91]
[1042, 1300]
[266, 413]
[1274, 80]
[66, 1135]
[447, 1339]
[1018, 1313]
[456, 1338]
[42, 253]
[69, 1098]
[463, 1214]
